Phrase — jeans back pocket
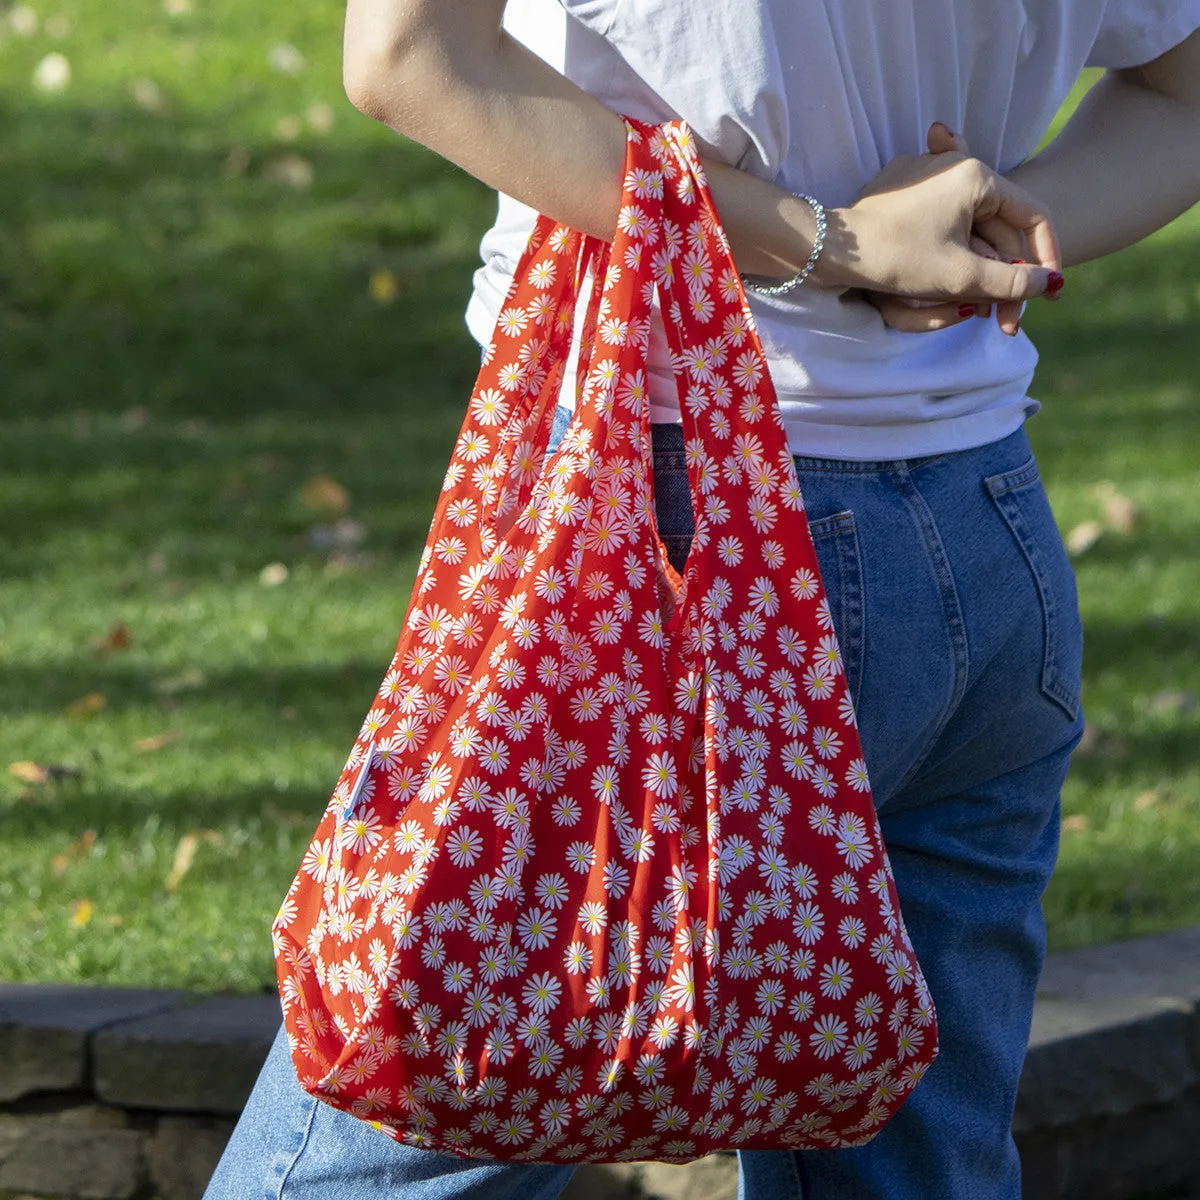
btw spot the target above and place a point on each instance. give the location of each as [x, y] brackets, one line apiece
[1022, 502]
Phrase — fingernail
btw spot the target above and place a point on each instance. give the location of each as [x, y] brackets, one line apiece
[984, 310]
[1016, 262]
[966, 310]
[1054, 284]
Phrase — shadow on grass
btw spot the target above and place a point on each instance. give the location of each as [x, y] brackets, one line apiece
[138, 268]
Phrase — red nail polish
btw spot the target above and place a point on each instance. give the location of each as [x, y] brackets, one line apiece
[1054, 284]
[966, 310]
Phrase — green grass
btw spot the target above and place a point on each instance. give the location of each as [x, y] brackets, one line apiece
[186, 341]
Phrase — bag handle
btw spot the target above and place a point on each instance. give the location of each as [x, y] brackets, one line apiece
[668, 241]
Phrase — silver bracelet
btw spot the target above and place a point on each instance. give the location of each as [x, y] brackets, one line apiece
[805, 271]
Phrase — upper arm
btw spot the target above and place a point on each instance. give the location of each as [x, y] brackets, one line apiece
[1175, 73]
[396, 43]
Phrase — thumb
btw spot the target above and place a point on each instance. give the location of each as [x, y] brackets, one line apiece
[997, 280]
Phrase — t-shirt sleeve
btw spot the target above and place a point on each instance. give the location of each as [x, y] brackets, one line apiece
[1135, 31]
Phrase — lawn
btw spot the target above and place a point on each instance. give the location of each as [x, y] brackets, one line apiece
[233, 363]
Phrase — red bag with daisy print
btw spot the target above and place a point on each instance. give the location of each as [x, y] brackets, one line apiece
[602, 877]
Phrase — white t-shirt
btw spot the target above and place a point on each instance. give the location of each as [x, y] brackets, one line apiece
[817, 96]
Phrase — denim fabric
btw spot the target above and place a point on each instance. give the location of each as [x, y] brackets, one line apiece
[954, 603]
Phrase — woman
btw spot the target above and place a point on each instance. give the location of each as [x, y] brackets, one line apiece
[951, 593]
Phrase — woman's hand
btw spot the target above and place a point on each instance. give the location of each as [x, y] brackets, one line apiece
[992, 239]
[933, 239]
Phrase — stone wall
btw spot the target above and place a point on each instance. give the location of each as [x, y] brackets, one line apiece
[122, 1094]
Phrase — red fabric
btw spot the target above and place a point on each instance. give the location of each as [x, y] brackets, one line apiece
[602, 876]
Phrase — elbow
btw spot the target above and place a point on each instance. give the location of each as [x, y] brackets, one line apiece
[383, 69]
[368, 78]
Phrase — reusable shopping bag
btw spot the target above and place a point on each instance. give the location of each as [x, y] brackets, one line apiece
[602, 877]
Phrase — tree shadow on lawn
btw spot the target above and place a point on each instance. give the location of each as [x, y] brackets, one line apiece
[137, 270]
[184, 347]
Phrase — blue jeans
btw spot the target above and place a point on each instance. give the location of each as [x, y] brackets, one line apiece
[954, 603]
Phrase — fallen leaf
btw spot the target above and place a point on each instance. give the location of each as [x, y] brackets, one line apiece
[39, 773]
[273, 574]
[29, 772]
[1120, 512]
[286, 59]
[185, 681]
[53, 73]
[1083, 537]
[1162, 703]
[237, 162]
[117, 638]
[148, 96]
[135, 417]
[86, 705]
[323, 494]
[341, 535]
[384, 287]
[341, 562]
[157, 741]
[23, 21]
[83, 843]
[290, 170]
[212, 837]
[288, 129]
[81, 913]
[77, 849]
[1146, 800]
[185, 855]
[116, 920]
[177, 8]
[320, 117]
[1076, 824]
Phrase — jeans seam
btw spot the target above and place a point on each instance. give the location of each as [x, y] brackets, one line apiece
[951, 606]
[312, 1114]
[852, 636]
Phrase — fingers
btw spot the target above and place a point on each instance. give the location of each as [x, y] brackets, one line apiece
[1013, 206]
[941, 139]
[995, 240]
[995, 237]
[919, 316]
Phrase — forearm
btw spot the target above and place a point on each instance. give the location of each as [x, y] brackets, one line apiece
[1126, 164]
[513, 122]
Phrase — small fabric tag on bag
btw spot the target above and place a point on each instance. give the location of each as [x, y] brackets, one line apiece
[359, 784]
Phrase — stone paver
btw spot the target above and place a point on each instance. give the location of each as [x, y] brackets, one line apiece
[89, 1164]
[1090, 1058]
[202, 1057]
[182, 1154]
[44, 1030]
